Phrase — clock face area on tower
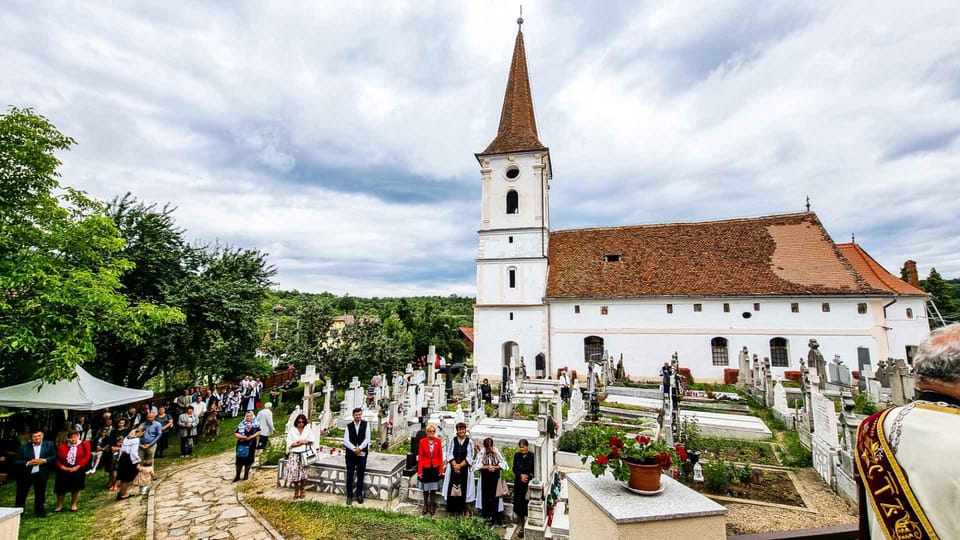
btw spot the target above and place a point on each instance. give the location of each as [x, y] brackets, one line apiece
[511, 173]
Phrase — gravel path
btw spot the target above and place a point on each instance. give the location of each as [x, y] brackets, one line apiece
[830, 510]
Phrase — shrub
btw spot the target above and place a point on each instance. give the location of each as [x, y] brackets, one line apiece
[715, 475]
[508, 452]
[863, 405]
[570, 441]
[745, 474]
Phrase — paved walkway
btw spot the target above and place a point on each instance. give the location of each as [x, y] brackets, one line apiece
[199, 501]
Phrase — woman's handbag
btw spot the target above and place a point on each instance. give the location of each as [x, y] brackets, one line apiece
[310, 456]
[503, 489]
[456, 491]
[243, 451]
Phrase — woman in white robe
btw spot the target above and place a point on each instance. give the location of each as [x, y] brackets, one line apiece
[459, 472]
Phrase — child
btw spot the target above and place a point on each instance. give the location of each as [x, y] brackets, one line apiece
[101, 444]
[144, 476]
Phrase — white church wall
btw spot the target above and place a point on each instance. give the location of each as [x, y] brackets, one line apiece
[647, 335]
[493, 282]
[905, 331]
[502, 244]
[493, 327]
[528, 185]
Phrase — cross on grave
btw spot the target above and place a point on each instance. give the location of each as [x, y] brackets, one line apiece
[326, 418]
[309, 378]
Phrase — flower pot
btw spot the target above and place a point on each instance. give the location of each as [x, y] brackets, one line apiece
[644, 477]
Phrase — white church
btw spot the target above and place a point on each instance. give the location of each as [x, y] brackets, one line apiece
[702, 290]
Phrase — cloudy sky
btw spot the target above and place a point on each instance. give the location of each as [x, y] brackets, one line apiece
[339, 136]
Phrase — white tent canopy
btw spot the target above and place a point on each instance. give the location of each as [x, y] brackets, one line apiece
[84, 393]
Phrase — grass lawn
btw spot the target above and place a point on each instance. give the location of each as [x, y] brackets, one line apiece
[325, 521]
[66, 524]
[95, 501]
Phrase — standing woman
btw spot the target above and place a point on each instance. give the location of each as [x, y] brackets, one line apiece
[459, 489]
[522, 472]
[429, 462]
[299, 439]
[187, 431]
[490, 463]
[127, 464]
[73, 456]
[247, 434]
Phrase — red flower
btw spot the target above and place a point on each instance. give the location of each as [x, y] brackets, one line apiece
[681, 452]
[602, 460]
[643, 439]
[615, 442]
[615, 454]
[664, 459]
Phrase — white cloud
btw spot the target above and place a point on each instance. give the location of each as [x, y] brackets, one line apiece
[339, 137]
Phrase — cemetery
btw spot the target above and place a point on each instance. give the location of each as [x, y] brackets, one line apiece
[774, 446]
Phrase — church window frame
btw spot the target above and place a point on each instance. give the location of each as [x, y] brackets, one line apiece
[909, 313]
[756, 306]
[862, 308]
[779, 352]
[720, 351]
[794, 307]
[576, 309]
[604, 310]
[726, 307]
[513, 202]
[697, 308]
[511, 315]
[512, 172]
[512, 277]
[825, 307]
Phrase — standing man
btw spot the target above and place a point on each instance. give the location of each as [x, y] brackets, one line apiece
[564, 385]
[265, 419]
[356, 439]
[906, 456]
[34, 461]
[665, 373]
[152, 431]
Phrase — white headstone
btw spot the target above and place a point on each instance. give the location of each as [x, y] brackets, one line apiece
[780, 398]
[825, 439]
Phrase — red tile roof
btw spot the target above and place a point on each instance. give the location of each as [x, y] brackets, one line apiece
[467, 332]
[518, 125]
[789, 254]
[875, 274]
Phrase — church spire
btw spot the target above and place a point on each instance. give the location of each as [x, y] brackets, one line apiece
[518, 126]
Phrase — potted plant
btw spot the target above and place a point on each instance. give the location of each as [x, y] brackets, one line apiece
[635, 459]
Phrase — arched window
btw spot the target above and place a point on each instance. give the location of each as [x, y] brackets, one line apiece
[512, 277]
[718, 347]
[592, 348]
[513, 202]
[778, 352]
[909, 313]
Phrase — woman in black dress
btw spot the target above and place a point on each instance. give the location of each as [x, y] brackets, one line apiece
[523, 473]
[247, 434]
[491, 462]
[459, 488]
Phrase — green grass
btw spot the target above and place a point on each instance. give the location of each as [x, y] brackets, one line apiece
[324, 521]
[62, 525]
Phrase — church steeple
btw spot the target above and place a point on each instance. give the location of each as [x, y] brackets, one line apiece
[518, 125]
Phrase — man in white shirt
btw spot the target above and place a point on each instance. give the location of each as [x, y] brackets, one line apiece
[356, 439]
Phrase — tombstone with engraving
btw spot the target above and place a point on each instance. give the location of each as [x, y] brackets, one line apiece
[825, 440]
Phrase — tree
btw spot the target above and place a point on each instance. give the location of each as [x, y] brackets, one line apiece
[940, 292]
[59, 265]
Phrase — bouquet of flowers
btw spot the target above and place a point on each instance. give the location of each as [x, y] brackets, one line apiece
[614, 449]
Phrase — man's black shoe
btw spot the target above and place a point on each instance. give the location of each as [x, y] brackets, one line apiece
[360, 500]
[349, 501]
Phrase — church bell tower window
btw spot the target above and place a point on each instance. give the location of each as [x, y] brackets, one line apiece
[513, 202]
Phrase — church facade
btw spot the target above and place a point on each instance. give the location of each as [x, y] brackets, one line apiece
[702, 290]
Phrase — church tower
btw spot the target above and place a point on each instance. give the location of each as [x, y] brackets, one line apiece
[510, 318]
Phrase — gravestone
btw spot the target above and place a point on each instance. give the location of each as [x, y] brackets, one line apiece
[863, 360]
[767, 383]
[309, 378]
[780, 397]
[326, 417]
[815, 360]
[843, 372]
[744, 379]
[834, 370]
[576, 412]
[825, 439]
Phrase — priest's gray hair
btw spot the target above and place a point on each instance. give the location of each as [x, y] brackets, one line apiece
[938, 357]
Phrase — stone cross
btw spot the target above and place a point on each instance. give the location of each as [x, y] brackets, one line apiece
[744, 378]
[326, 419]
[815, 360]
[767, 382]
[431, 364]
[309, 378]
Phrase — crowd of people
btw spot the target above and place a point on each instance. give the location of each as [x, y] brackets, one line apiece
[124, 444]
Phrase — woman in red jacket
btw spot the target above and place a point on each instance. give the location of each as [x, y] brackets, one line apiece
[73, 457]
[429, 463]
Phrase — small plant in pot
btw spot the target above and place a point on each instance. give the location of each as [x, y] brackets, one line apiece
[635, 459]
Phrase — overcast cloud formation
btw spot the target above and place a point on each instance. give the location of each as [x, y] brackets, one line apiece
[339, 136]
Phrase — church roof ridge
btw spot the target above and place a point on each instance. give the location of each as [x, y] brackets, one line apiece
[518, 124]
[766, 217]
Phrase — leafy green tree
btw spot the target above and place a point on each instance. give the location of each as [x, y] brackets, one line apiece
[60, 267]
[940, 292]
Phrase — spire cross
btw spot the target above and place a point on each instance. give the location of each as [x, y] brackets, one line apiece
[808, 203]
[520, 18]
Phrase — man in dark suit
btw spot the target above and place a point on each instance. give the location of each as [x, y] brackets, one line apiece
[34, 461]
